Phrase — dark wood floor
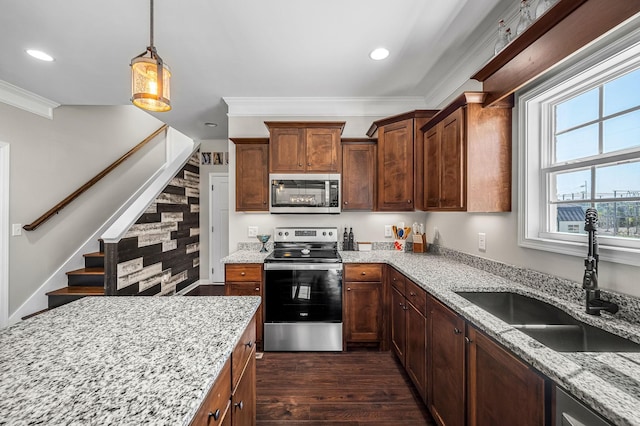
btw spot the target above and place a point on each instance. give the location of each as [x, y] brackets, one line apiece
[351, 388]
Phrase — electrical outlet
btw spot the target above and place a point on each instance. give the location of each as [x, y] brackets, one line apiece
[388, 232]
[16, 229]
[252, 231]
[482, 241]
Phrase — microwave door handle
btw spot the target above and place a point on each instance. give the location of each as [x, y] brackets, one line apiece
[327, 192]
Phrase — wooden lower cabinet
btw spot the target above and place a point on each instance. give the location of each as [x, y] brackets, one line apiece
[501, 388]
[245, 279]
[475, 381]
[409, 328]
[232, 398]
[363, 302]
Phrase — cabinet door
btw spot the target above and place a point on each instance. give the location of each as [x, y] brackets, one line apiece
[248, 289]
[243, 401]
[432, 168]
[252, 177]
[322, 150]
[395, 167]
[446, 361]
[452, 162]
[416, 352]
[286, 150]
[398, 323]
[502, 389]
[358, 176]
[363, 311]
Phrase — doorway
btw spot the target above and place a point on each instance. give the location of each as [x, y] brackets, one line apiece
[219, 219]
[4, 234]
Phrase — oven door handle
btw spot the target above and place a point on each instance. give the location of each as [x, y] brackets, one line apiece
[302, 266]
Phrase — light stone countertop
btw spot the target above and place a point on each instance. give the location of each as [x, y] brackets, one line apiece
[118, 360]
[607, 382]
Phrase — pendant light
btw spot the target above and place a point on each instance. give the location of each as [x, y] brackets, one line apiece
[150, 78]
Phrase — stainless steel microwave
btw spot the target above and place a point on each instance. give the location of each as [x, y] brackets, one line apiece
[304, 193]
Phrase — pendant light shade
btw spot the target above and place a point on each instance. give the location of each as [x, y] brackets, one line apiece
[150, 79]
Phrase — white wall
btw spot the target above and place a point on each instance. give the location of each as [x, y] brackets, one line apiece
[52, 158]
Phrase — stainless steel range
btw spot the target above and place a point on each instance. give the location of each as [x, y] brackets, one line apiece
[303, 291]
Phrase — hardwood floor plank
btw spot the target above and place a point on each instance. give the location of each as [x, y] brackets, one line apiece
[343, 389]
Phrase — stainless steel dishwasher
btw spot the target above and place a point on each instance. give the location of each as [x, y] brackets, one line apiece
[571, 412]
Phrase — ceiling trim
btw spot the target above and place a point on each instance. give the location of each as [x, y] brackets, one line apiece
[334, 106]
[20, 98]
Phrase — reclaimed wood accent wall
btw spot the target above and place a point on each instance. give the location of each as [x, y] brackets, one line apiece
[160, 253]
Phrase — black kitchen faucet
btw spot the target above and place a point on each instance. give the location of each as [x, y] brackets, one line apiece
[590, 280]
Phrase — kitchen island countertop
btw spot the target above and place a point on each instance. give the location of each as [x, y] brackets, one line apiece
[607, 382]
[118, 360]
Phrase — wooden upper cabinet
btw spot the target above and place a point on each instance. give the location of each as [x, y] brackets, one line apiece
[304, 147]
[252, 176]
[358, 175]
[399, 160]
[467, 157]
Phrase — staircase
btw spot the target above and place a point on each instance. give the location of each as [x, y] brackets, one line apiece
[88, 281]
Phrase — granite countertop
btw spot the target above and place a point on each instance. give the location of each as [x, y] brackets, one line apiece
[607, 382]
[118, 360]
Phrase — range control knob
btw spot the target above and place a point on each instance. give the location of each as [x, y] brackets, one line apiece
[324, 234]
[286, 234]
[330, 233]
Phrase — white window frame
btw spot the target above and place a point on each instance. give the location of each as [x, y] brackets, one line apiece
[596, 65]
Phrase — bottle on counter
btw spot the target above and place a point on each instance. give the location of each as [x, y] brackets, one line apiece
[345, 240]
[351, 242]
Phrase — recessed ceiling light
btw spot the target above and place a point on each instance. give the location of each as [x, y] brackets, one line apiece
[379, 54]
[38, 54]
[210, 124]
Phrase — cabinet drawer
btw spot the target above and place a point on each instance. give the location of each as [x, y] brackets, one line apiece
[397, 280]
[363, 272]
[416, 296]
[243, 272]
[243, 350]
[216, 405]
[243, 289]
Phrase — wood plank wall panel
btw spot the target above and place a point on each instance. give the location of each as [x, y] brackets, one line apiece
[160, 253]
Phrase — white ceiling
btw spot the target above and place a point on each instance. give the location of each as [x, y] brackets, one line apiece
[234, 48]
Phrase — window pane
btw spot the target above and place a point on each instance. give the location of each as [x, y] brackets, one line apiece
[619, 219]
[577, 143]
[571, 185]
[578, 110]
[618, 181]
[622, 132]
[622, 93]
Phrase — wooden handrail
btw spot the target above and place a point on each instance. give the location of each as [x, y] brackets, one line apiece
[62, 204]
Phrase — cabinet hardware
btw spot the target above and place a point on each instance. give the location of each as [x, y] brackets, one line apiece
[242, 273]
[257, 288]
[240, 405]
[467, 339]
[299, 164]
[346, 202]
[308, 164]
[412, 294]
[363, 273]
[409, 201]
[456, 330]
[250, 344]
[215, 415]
[348, 288]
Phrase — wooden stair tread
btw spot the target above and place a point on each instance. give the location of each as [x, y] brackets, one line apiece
[94, 254]
[87, 271]
[78, 291]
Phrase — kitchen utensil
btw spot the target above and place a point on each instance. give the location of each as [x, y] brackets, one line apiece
[263, 238]
[400, 233]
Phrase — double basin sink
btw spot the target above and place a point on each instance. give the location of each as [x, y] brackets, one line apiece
[548, 324]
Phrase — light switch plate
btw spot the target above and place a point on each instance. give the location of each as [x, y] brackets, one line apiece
[482, 241]
[252, 231]
[388, 232]
[16, 229]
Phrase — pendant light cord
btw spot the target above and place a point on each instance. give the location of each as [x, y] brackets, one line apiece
[151, 21]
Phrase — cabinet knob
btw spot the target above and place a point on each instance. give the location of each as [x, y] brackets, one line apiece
[240, 405]
[346, 202]
[257, 288]
[363, 273]
[467, 339]
[308, 164]
[264, 202]
[249, 344]
[412, 294]
[456, 330]
[400, 303]
[348, 288]
[299, 164]
[215, 415]
[243, 273]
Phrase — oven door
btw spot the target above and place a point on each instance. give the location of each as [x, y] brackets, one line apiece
[303, 292]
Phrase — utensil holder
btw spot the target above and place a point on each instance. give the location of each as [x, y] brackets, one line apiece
[400, 245]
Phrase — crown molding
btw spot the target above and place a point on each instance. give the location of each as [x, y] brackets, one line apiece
[20, 98]
[329, 107]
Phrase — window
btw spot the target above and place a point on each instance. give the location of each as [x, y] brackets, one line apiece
[579, 141]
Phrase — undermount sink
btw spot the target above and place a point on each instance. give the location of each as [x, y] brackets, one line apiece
[548, 324]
